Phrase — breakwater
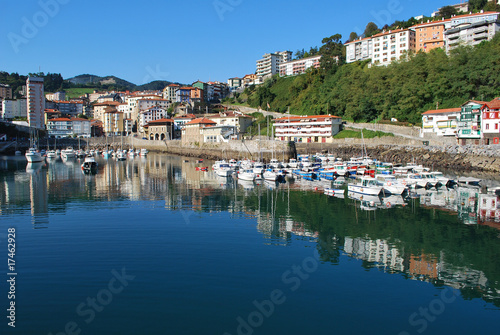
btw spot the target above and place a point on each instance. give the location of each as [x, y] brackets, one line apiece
[449, 157]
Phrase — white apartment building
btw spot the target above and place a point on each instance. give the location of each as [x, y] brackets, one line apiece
[137, 104]
[392, 45]
[307, 129]
[442, 122]
[169, 92]
[270, 62]
[470, 29]
[55, 96]
[35, 103]
[299, 66]
[358, 50]
[151, 114]
[81, 127]
[13, 108]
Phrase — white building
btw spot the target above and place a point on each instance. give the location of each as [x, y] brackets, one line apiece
[151, 114]
[13, 108]
[234, 119]
[169, 92]
[35, 102]
[56, 96]
[442, 122]
[299, 66]
[269, 65]
[470, 29]
[81, 127]
[306, 129]
[359, 50]
[392, 45]
[60, 127]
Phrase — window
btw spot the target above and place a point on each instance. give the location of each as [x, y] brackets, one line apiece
[487, 126]
[496, 126]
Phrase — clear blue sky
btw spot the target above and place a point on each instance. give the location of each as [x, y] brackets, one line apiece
[177, 40]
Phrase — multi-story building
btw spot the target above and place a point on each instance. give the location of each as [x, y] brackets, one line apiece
[429, 35]
[81, 127]
[392, 45]
[238, 120]
[162, 129]
[202, 86]
[100, 108]
[35, 102]
[5, 91]
[60, 127]
[217, 134]
[299, 66]
[270, 62]
[183, 94]
[70, 108]
[169, 92]
[312, 128]
[113, 124]
[196, 94]
[442, 122]
[151, 114]
[66, 127]
[56, 96]
[13, 108]
[234, 83]
[469, 123]
[180, 121]
[490, 122]
[359, 50]
[192, 131]
[470, 29]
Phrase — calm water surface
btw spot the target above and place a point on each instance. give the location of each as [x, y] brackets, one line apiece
[152, 246]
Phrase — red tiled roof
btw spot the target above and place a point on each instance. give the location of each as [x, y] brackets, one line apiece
[493, 104]
[201, 120]
[52, 111]
[164, 120]
[297, 117]
[79, 119]
[59, 119]
[108, 103]
[442, 111]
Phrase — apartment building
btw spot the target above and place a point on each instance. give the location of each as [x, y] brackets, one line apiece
[56, 96]
[359, 50]
[113, 123]
[299, 66]
[35, 102]
[307, 129]
[169, 92]
[13, 108]
[469, 122]
[234, 83]
[392, 45]
[238, 120]
[151, 114]
[429, 36]
[270, 62]
[5, 91]
[70, 108]
[470, 29]
[442, 122]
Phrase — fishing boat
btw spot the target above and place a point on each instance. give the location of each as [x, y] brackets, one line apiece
[247, 174]
[68, 153]
[224, 170]
[390, 184]
[270, 175]
[366, 185]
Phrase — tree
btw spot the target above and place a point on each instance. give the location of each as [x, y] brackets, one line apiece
[331, 52]
[447, 12]
[371, 29]
[477, 4]
[491, 7]
[353, 36]
[299, 54]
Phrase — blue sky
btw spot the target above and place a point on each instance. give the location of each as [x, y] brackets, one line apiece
[177, 40]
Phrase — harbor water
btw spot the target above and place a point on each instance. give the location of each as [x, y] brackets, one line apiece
[151, 245]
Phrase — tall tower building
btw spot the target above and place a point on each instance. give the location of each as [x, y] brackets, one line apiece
[35, 102]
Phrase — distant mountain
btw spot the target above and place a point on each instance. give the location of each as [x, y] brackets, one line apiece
[89, 79]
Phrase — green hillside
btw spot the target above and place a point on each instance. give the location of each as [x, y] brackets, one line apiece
[402, 90]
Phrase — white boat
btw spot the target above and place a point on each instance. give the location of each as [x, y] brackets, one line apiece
[334, 192]
[144, 152]
[247, 174]
[442, 180]
[33, 156]
[366, 185]
[68, 153]
[270, 175]
[431, 179]
[274, 164]
[224, 170]
[89, 164]
[292, 163]
[121, 156]
[391, 184]
[415, 180]
[51, 154]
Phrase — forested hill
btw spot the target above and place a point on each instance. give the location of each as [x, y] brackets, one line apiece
[403, 90]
